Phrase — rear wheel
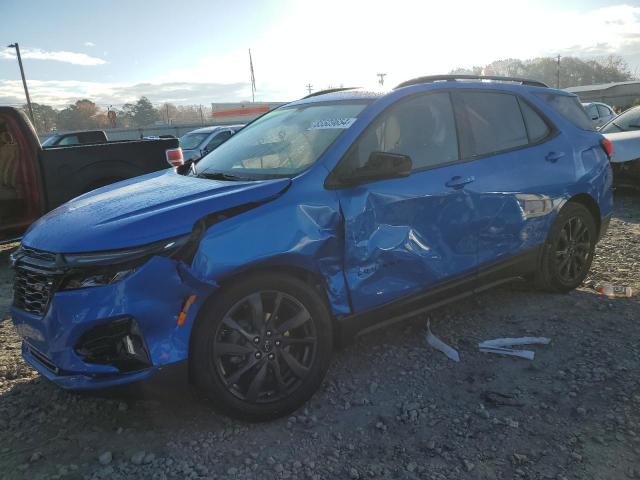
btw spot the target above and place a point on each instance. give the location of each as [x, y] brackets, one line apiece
[568, 251]
[262, 347]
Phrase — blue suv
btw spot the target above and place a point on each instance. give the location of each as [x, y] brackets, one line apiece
[325, 218]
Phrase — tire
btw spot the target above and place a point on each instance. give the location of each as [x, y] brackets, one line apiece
[254, 365]
[568, 252]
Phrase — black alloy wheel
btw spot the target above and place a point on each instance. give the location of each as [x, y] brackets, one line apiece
[265, 346]
[261, 346]
[572, 250]
[568, 252]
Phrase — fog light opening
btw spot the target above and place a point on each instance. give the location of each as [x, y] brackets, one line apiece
[118, 343]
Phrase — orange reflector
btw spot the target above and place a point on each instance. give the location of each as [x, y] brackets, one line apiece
[182, 316]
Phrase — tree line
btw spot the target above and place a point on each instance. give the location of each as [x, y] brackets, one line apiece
[86, 115]
[573, 71]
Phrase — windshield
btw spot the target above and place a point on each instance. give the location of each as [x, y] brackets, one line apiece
[283, 142]
[629, 120]
[192, 140]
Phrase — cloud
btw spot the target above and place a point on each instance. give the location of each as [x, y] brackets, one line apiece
[89, 44]
[57, 56]
[62, 93]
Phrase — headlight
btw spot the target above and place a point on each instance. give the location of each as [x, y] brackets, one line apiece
[85, 280]
[165, 247]
[104, 268]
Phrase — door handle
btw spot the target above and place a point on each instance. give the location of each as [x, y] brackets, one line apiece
[459, 182]
[553, 157]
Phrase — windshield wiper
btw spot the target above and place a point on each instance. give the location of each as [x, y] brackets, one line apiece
[222, 176]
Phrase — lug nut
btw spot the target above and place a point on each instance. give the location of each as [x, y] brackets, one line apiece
[269, 333]
[277, 343]
[271, 356]
[258, 355]
[256, 340]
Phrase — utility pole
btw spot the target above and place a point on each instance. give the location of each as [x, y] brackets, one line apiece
[558, 73]
[201, 116]
[381, 78]
[253, 79]
[166, 107]
[24, 81]
[309, 88]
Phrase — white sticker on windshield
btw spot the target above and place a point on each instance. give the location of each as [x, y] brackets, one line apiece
[332, 123]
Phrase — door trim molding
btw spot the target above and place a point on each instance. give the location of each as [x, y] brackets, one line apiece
[501, 271]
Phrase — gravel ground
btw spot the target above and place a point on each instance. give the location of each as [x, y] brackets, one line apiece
[391, 407]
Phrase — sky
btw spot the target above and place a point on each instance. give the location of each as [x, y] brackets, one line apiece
[196, 51]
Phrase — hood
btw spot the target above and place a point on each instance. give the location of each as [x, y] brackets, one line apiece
[143, 210]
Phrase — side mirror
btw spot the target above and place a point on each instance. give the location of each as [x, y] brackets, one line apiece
[186, 167]
[382, 165]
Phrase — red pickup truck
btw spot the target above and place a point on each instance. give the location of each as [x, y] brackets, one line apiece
[34, 180]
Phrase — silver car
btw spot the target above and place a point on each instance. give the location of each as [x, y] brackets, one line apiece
[198, 143]
[599, 113]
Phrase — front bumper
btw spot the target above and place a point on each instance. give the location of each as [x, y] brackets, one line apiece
[87, 381]
[152, 296]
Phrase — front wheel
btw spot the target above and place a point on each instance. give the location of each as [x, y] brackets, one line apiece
[261, 348]
[568, 252]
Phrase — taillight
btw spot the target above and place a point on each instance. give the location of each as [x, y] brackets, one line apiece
[607, 146]
[174, 157]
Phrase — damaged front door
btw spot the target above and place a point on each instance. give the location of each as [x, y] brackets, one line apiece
[403, 235]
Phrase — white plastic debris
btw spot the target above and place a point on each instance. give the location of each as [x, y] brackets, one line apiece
[509, 342]
[528, 354]
[438, 344]
[502, 346]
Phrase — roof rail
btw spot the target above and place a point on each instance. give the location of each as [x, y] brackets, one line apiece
[328, 90]
[453, 78]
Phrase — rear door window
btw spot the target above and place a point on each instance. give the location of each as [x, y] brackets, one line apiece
[216, 141]
[603, 111]
[492, 122]
[569, 107]
[592, 112]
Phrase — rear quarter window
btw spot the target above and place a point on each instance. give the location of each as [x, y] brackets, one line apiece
[536, 126]
[569, 107]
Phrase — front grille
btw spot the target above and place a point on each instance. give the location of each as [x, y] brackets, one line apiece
[36, 278]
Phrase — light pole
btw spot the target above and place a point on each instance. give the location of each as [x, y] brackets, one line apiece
[24, 81]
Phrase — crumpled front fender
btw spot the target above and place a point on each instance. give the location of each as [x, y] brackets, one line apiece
[303, 230]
